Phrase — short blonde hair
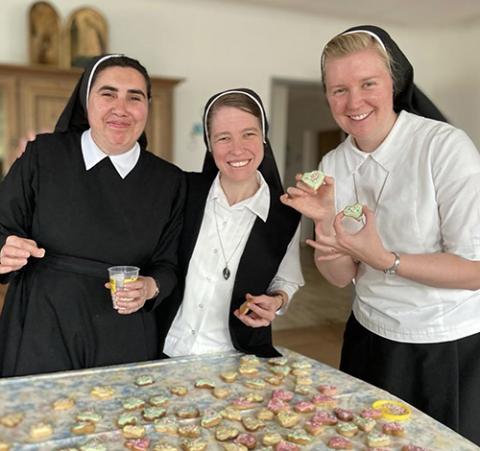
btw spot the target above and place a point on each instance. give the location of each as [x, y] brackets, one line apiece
[348, 43]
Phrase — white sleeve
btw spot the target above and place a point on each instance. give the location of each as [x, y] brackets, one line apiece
[289, 277]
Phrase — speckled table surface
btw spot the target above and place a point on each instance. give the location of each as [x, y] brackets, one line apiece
[33, 398]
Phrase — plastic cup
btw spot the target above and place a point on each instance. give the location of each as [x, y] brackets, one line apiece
[121, 275]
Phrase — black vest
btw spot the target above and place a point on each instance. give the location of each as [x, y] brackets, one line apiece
[266, 246]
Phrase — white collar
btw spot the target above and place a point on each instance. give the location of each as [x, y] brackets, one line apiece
[92, 154]
[258, 204]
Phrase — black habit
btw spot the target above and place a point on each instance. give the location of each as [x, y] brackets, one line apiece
[58, 315]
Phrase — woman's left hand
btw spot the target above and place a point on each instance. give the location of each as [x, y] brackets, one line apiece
[133, 295]
[262, 312]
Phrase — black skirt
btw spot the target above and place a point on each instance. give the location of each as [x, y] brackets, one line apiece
[440, 379]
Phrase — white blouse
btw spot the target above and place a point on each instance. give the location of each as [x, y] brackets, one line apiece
[201, 323]
[423, 182]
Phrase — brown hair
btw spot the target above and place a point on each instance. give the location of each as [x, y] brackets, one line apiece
[236, 100]
[346, 44]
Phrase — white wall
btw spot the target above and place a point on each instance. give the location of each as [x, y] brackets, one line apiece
[215, 45]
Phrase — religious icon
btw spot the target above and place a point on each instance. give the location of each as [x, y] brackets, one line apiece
[44, 29]
[86, 36]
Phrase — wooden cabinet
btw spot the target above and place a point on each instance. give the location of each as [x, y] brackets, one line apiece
[32, 98]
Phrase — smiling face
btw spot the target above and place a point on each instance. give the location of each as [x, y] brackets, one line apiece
[237, 144]
[359, 90]
[117, 109]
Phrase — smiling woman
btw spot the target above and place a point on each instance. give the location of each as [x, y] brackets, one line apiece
[78, 201]
[239, 249]
[414, 329]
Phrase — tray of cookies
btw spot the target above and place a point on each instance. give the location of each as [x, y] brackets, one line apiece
[221, 401]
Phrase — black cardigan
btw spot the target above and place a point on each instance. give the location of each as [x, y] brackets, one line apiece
[266, 246]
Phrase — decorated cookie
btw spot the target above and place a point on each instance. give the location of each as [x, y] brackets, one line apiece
[376, 439]
[229, 376]
[102, 392]
[137, 444]
[286, 446]
[337, 442]
[187, 412]
[277, 405]
[287, 418]
[305, 390]
[179, 390]
[265, 414]
[343, 414]
[127, 418]
[159, 401]
[282, 371]
[328, 390]
[166, 425]
[271, 438]
[304, 407]
[284, 395]
[254, 397]
[232, 446]
[210, 419]
[347, 429]
[395, 429]
[133, 431]
[248, 370]
[280, 361]
[354, 211]
[224, 433]
[313, 179]
[247, 440]
[274, 380]
[196, 444]
[89, 415]
[205, 383]
[324, 417]
[304, 380]
[314, 428]
[250, 360]
[324, 401]
[189, 430]
[370, 412]
[231, 413]
[255, 383]
[12, 420]
[364, 424]
[144, 379]
[413, 448]
[83, 427]
[299, 436]
[63, 404]
[41, 431]
[220, 392]
[4, 446]
[301, 372]
[153, 412]
[244, 308]
[242, 404]
[132, 403]
[252, 423]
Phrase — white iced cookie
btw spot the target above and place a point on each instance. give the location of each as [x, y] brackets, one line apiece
[313, 179]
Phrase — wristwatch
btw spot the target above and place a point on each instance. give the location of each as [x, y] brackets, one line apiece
[394, 268]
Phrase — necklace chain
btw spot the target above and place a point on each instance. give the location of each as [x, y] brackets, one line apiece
[226, 271]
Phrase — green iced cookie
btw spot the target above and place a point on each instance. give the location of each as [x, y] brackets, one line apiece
[313, 179]
[354, 211]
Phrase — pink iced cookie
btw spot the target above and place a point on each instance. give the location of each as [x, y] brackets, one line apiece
[138, 444]
[285, 446]
[395, 429]
[247, 440]
[277, 405]
[337, 442]
[329, 390]
[343, 414]
[324, 400]
[284, 395]
[370, 412]
[413, 448]
[324, 417]
[304, 407]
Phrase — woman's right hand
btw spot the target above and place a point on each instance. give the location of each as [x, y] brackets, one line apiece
[15, 253]
[318, 205]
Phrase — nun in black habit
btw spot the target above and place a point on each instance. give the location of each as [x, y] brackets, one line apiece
[414, 328]
[239, 243]
[79, 200]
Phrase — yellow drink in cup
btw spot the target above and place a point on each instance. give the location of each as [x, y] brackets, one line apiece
[121, 275]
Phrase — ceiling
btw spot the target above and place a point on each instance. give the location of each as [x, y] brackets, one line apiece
[412, 13]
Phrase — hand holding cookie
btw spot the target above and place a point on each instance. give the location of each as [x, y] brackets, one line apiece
[258, 311]
[312, 198]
